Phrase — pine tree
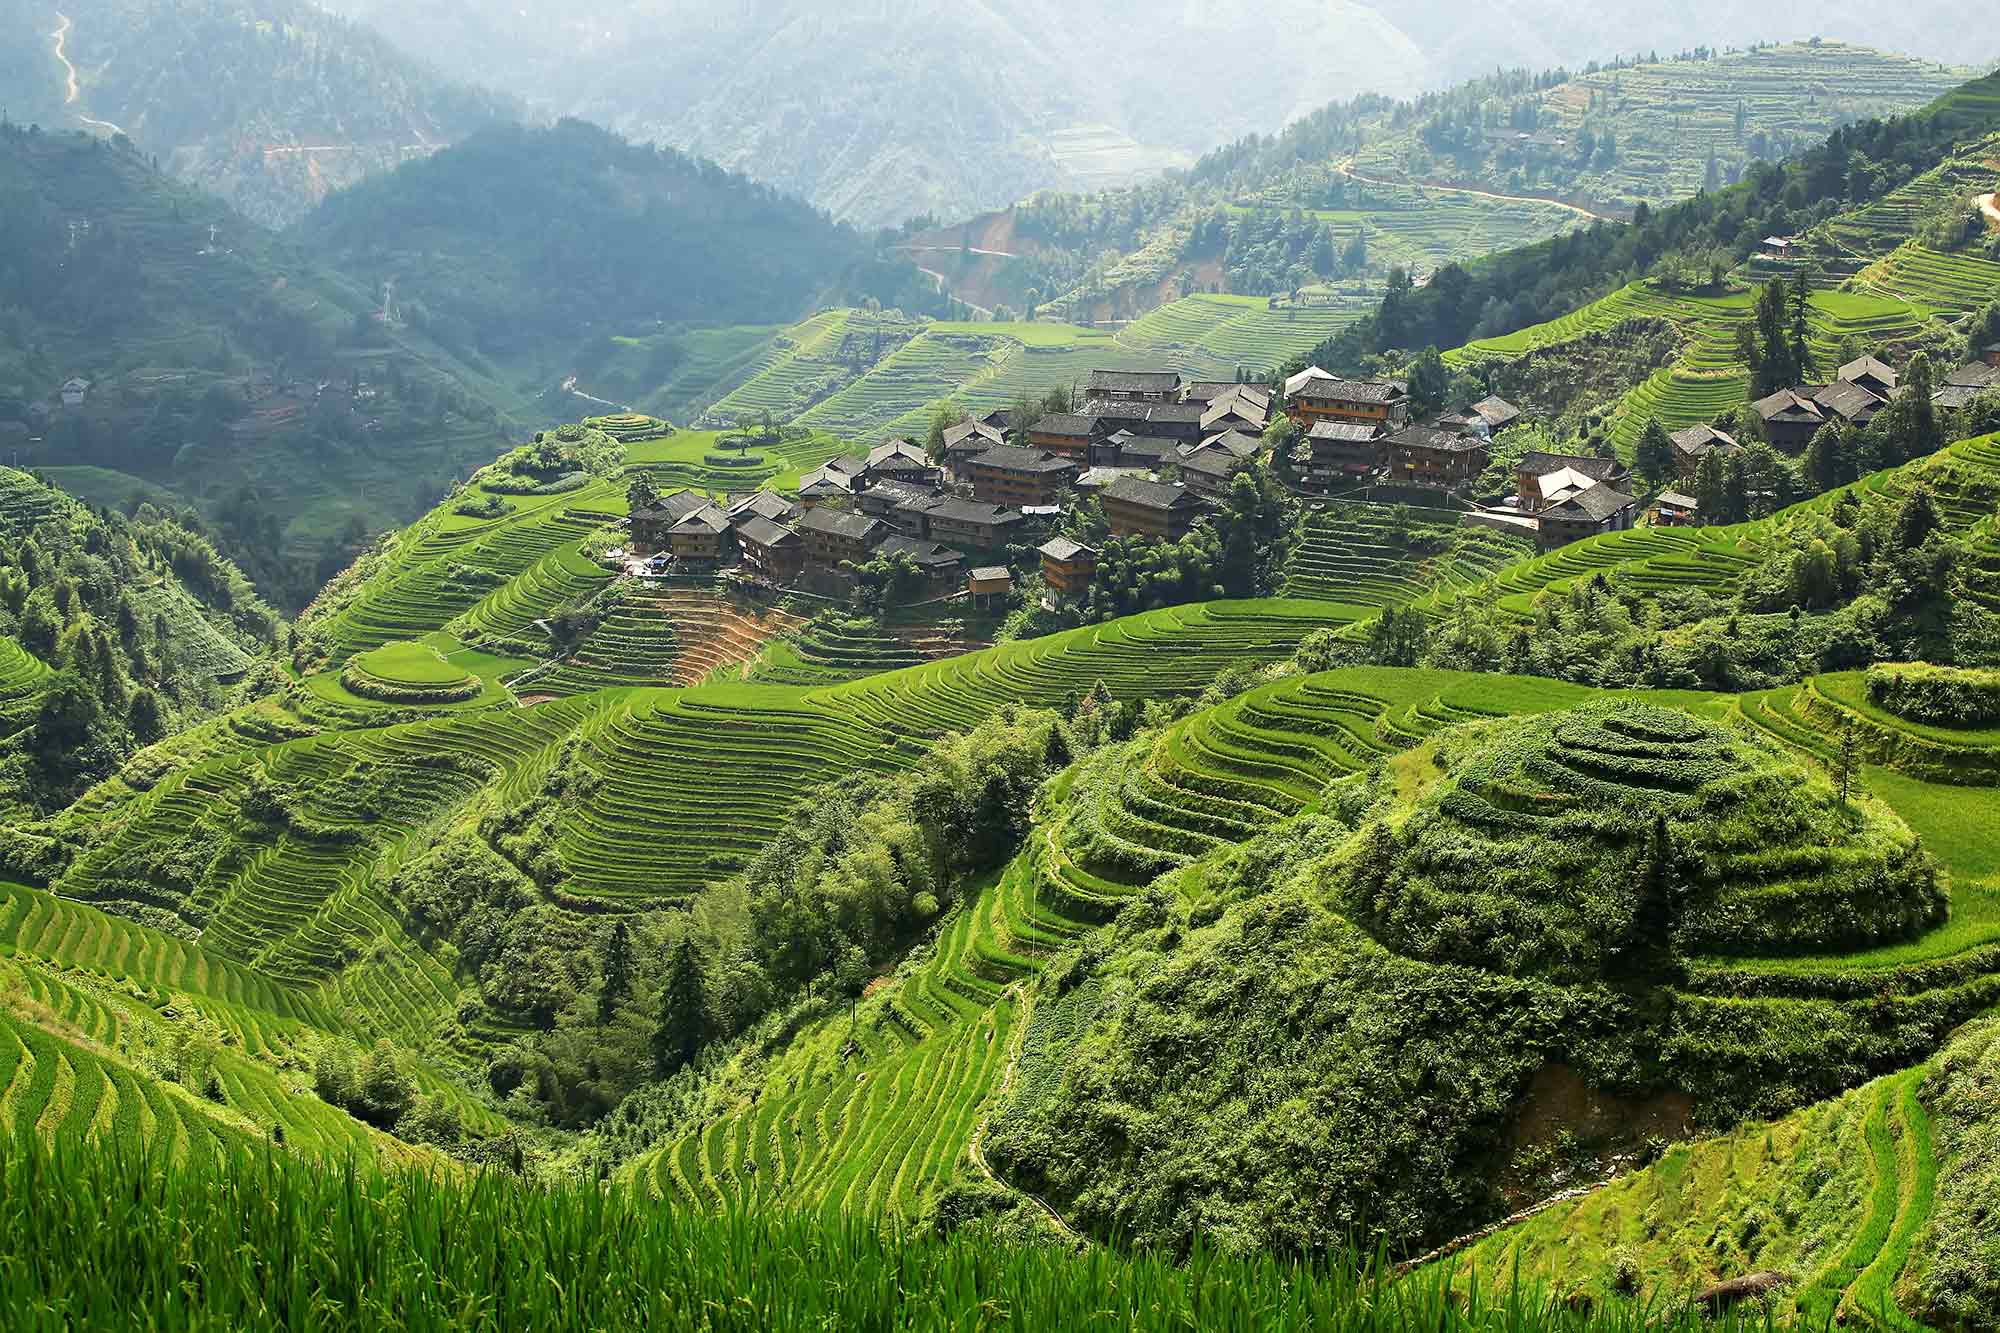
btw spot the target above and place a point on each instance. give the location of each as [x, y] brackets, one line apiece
[1654, 458]
[617, 973]
[683, 1025]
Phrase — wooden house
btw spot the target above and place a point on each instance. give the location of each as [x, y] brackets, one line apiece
[1133, 386]
[990, 582]
[1426, 456]
[1337, 453]
[704, 537]
[1876, 376]
[1070, 435]
[1067, 566]
[1009, 475]
[1135, 507]
[1383, 403]
[652, 523]
[833, 537]
[899, 460]
[979, 527]
[1695, 443]
[1538, 468]
[1790, 419]
[1586, 514]
[770, 549]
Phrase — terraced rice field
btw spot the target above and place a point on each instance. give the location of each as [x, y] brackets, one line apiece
[21, 673]
[662, 633]
[1866, 1163]
[1352, 553]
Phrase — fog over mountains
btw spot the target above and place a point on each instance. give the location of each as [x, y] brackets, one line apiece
[889, 108]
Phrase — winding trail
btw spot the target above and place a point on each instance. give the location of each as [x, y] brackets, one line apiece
[70, 89]
[976, 1149]
[944, 286]
[1346, 169]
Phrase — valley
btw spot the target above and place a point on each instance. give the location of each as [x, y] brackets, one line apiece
[1397, 728]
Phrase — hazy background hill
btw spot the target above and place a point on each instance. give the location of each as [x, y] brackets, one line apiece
[268, 103]
[517, 241]
[882, 111]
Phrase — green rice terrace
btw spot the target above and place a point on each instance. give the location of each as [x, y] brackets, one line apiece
[1551, 847]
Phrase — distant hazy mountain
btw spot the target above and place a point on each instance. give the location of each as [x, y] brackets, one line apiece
[516, 243]
[882, 109]
[269, 103]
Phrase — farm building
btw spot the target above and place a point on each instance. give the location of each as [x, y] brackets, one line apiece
[652, 522]
[770, 549]
[1133, 386]
[1586, 514]
[942, 566]
[1336, 452]
[1136, 507]
[1367, 402]
[704, 537]
[899, 460]
[1071, 435]
[1427, 456]
[832, 537]
[1010, 475]
[1537, 467]
[1790, 419]
[1696, 443]
[1067, 566]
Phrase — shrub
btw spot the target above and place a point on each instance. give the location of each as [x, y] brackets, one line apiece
[1939, 696]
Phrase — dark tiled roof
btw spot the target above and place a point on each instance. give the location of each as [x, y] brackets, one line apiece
[1062, 549]
[1675, 500]
[898, 451]
[991, 574]
[1074, 425]
[1975, 375]
[1785, 402]
[1596, 504]
[1150, 494]
[677, 506]
[973, 435]
[708, 520]
[955, 510]
[1698, 440]
[922, 552]
[1849, 401]
[1497, 411]
[1013, 458]
[759, 531]
[834, 522]
[1429, 437]
[1344, 432]
[766, 505]
[1134, 381]
[1212, 461]
[1236, 442]
[1870, 367]
[1539, 464]
[1351, 391]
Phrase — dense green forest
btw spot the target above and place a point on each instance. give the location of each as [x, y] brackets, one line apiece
[515, 242]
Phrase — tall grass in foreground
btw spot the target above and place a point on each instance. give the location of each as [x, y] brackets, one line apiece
[99, 1239]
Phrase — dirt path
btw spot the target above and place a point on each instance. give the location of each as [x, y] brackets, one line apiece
[1346, 169]
[961, 249]
[70, 89]
[977, 1148]
[944, 286]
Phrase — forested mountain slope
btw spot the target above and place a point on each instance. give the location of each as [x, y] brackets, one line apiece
[219, 365]
[517, 242]
[270, 104]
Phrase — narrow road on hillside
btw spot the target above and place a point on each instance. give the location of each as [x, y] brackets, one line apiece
[1347, 169]
[962, 249]
[944, 286]
[70, 89]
